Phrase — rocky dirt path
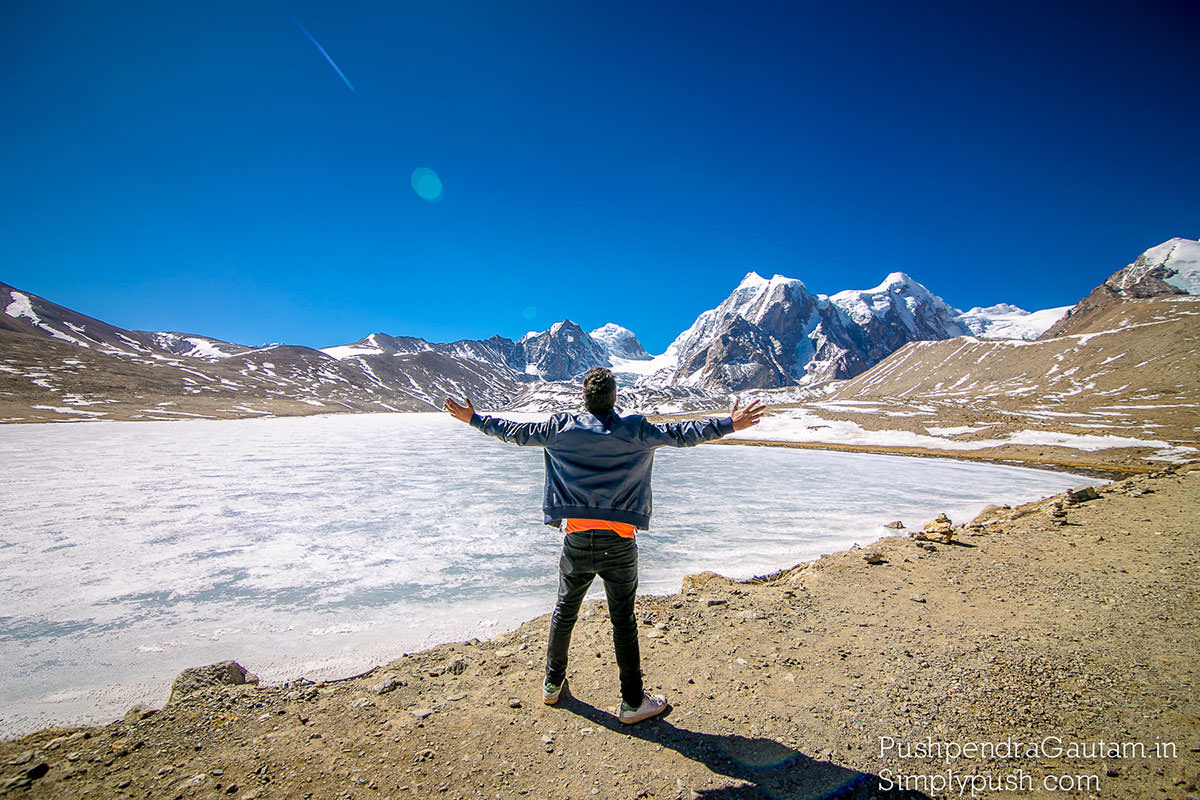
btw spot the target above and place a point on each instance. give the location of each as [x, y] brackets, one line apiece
[1052, 628]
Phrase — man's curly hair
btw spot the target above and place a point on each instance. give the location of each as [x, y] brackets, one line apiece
[599, 391]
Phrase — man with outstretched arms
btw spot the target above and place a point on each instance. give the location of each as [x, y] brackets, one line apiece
[598, 467]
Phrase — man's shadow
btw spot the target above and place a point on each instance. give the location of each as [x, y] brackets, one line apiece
[767, 769]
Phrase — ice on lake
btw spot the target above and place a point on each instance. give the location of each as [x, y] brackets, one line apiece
[321, 546]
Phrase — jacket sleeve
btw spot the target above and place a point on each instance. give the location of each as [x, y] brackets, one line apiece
[685, 434]
[532, 434]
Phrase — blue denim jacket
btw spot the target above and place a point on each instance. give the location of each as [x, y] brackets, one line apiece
[599, 467]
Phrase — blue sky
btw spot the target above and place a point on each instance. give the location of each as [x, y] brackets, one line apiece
[202, 167]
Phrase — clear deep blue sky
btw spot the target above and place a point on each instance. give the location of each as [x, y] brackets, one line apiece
[201, 166]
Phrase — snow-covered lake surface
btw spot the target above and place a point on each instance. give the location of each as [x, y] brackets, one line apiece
[321, 546]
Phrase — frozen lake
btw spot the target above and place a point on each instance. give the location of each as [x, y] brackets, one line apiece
[321, 546]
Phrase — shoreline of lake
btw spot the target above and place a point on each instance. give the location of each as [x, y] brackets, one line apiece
[1036, 623]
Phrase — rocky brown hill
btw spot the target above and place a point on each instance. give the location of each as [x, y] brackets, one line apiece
[59, 365]
[1172, 268]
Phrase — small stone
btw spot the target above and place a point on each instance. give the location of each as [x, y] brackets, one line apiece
[1082, 494]
[918, 598]
[1111, 772]
[547, 739]
[125, 784]
[654, 634]
[386, 685]
[873, 557]
[456, 667]
[37, 771]
[896, 526]
[421, 713]
[715, 601]
[514, 703]
[362, 702]
[23, 758]
[454, 698]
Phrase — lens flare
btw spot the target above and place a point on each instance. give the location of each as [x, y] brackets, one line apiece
[313, 39]
[427, 184]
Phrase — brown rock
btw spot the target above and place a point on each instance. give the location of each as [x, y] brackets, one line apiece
[693, 582]
[223, 673]
[990, 515]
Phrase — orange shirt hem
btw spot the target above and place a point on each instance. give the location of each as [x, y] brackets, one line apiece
[623, 529]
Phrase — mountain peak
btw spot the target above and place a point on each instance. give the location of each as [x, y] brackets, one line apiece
[1179, 259]
[563, 352]
[757, 283]
[752, 281]
[896, 280]
[611, 329]
[619, 342]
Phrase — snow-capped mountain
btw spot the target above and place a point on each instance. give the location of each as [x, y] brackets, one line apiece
[563, 352]
[1005, 321]
[619, 342]
[1171, 268]
[892, 314]
[774, 333]
[770, 337]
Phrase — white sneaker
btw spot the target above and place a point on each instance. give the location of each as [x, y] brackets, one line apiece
[550, 693]
[652, 705]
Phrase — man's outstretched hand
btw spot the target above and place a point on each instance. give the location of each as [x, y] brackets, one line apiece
[459, 412]
[745, 417]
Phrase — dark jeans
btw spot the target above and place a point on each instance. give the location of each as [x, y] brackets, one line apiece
[585, 555]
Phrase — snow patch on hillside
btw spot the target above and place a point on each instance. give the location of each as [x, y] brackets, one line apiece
[21, 307]
[799, 425]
